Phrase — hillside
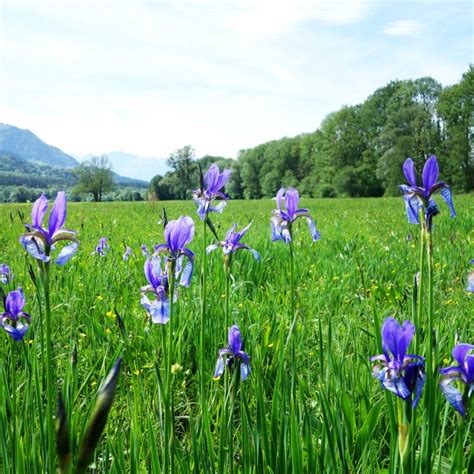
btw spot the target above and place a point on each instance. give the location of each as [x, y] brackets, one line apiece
[15, 141]
[16, 171]
[29, 166]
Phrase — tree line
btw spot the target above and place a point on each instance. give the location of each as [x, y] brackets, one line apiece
[357, 151]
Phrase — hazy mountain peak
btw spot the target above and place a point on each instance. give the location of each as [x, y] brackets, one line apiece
[26, 144]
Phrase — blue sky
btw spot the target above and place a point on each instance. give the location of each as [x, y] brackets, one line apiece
[148, 77]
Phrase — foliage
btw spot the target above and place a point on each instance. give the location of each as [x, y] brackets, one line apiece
[337, 420]
[179, 183]
[359, 150]
[95, 177]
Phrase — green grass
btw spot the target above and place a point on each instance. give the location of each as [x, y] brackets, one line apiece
[335, 419]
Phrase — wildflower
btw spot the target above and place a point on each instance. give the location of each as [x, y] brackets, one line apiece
[470, 282]
[6, 276]
[463, 374]
[14, 321]
[126, 255]
[232, 243]
[213, 182]
[144, 250]
[283, 219]
[39, 241]
[470, 279]
[176, 368]
[102, 248]
[234, 352]
[157, 277]
[417, 197]
[398, 372]
[178, 234]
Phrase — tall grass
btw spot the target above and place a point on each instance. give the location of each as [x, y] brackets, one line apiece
[315, 410]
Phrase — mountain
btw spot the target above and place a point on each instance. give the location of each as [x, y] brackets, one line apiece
[16, 171]
[135, 166]
[25, 144]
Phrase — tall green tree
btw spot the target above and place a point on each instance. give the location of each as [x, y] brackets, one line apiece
[183, 163]
[94, 177]
[456, 112]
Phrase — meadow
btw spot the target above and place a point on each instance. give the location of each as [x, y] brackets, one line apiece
[310, 403]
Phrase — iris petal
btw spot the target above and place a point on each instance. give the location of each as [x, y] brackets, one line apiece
[412, 207]
[292, 200]
[18, 332]
[312, 228]
[219, 370]
[447, 195]
[187, 274]
[219, 208]
[39, 210]
[211, 248]
[409, 171]
[430, 173]
[57, 218]
[66, 253]
[235, 339]
[15, 302]
[244, 370]
[460, 353]
[452, 395]
[395, 383]
[404, 340]
[34, 247]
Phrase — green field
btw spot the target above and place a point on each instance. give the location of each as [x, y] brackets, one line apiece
[334, 418]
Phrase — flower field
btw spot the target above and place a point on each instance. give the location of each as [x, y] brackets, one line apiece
[293, 390]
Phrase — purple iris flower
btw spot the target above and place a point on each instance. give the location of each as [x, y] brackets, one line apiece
[234, 352]
[39, 241]
[232, 243]
[399, 372]
[102, 248]
[145, 252]
[157, 273]
[283, 219]
[14, 321]
[418, 197]
[463, 374]
[6, 276]
[157, 276]
[178, 234]
[213, 182]
[127, 253]
[470, 282]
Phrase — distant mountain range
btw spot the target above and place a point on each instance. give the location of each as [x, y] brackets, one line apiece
[27, 160]
[25, 144]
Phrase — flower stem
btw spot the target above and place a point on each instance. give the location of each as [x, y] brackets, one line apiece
[169, 408]
[292, 281]
[429, 358]
[227, 268]
[459, 446]
[208, 453]
[404, 432]
[418, 317]
[227, 419]
[49, 368]
[203, 316]
[293, 318]
[13, 404]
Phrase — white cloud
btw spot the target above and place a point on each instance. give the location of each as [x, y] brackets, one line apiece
[403, 28]
[148, 77]
[273, 17]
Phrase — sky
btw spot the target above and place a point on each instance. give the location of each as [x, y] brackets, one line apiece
[150, 76]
